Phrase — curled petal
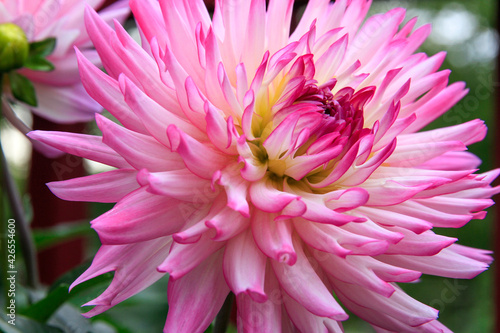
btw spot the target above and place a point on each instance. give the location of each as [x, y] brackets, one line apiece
[268, 199]
[306, 321]
[265, 316]
[245, 267]
[183, 258]
[254, 168]
[236, 189]
[274, 238]
[301, 282]
[203, 161]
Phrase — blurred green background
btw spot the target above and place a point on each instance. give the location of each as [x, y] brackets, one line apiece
[466, 31]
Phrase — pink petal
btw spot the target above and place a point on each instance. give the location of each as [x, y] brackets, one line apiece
[139, 216]
[106, 91]
[329, 62]
[191, 189]
[183, 258]
[87, 146]
[181, 40]
[417, 153]
[256, 317]
[412, 244]
[337, 240]
[135, 270]
[140, 150]
[365, 272]
[389, 192]
[218, 131]
[236, 189]
[96, 188]
[245, 267]
[268, 199]
[301, 282]
[397, 313]
[101, 34]
[203, 161]
[438, 105]
[274, 238]
[227, 224]
[154, 117]
[306, 321]
[254, 168]
[448, 263]
[148, 17]
[279, 15]
[65, 105]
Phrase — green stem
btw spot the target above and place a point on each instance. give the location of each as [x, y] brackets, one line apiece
[24, 233]
[222, 319]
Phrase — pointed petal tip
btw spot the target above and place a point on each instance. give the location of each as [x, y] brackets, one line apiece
[32, 135]
[256, 295]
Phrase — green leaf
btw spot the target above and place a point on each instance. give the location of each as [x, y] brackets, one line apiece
[70, 319]
[43, 48]
[47, 237]
[22, 89]
[43, 309]
[38, 63]
[117, 324]
[59, 293]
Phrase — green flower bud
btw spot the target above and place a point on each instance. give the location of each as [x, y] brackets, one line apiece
[14, 47]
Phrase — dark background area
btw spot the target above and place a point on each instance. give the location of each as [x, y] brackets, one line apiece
[466, 30]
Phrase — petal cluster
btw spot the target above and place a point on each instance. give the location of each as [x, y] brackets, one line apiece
[61, 96]
[284, 167]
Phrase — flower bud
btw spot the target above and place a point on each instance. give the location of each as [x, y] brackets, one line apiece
[14, 47]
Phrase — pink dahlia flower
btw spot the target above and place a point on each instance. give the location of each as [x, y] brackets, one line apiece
[283, 167]
[61, 96]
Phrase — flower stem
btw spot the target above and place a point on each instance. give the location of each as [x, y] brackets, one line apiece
[27, 246]
[222, 319]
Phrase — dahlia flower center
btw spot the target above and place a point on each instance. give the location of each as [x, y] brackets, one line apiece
[330, 106]
[312, 133]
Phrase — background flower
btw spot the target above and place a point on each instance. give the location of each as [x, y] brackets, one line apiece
[301, 169]
[61, 97]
